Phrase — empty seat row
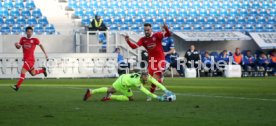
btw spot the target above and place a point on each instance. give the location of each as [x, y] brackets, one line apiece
[9, 4]
[18, 29]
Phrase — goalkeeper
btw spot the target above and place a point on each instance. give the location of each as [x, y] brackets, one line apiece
[124, 84]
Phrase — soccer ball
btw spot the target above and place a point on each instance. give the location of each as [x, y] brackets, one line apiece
[169, 97]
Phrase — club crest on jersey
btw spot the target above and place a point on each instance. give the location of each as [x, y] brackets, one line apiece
[151, 46]
[153, 39]
[32, 41]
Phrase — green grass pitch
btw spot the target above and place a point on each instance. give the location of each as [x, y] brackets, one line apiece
[200, 102]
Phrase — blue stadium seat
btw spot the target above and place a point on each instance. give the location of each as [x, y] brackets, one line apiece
[211, 20]
[135, 28]
[141, 12]
[156, 28]
[228, 27]
[25, 12]
[225, 4]
[265, 4]
[120, 12]
[169, 20]
[200, 20]
[83, 4]
[190, 20]
[187, 27]
[183, 12]
[197, 27]
[9, 20]
[236, 4]
[30, 4]
[138, 20]
[259, 28]
[85, 21]
[233, 12]
[239, 27]
[269, 28]
[49, 29]
[206, 4]
[245, 4]
[172, 12]
[231, 20]
[72, 4]
[185, 4]
[128, 20]
[4, 12]
[223, 12]
[79, 12]
[21, 20]
[241, 20]
[271, 20]
[221, 20]
[177, 27]
[14, 12]
[1, 21]
[16, 29]
[152, 12]
[5, 29]
[107, 20]
[215, 4]
[159, 20]
[110, 12]
[113, 27]
[124, 27]
[255, 4]
[32, 21]
[243, 12]
[253, 12]
[19, 4]
[43, 21]
[179, 20]
[218, 27]
[192, 12]
[36, 13]
[117, 20]
[208, 27]
[251, 20]
[261, 20]
[8, 4]
[38, 29]
[131, 12]
[272, 12]
[249, 28]
[148, 20]
[263, 12]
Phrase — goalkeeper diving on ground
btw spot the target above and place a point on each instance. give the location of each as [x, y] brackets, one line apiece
[124, 84]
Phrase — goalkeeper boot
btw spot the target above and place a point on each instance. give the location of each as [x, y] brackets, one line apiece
[87, 95]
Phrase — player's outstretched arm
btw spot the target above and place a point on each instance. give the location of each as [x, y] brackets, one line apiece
[17, 45]
[132, 44]
[43, 50]
[167, 31]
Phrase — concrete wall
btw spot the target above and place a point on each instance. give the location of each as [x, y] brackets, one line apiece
[52, 43]
[182, 46]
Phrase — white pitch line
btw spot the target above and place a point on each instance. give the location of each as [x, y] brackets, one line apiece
[178, 94]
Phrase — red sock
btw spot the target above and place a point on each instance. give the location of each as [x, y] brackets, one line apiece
[152, 89]
[21, 79]
[39, 71]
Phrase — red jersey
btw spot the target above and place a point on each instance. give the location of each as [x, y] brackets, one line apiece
[152, 44]
[28, 45]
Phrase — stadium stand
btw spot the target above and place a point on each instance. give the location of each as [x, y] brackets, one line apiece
[15, 15]
[196, 12]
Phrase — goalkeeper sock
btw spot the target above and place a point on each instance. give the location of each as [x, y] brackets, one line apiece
[152, 89]
[99, 90]
[119, 97]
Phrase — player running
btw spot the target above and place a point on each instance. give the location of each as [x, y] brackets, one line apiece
[153, 44]
[124, 84]
[29, 44]
[168, 47]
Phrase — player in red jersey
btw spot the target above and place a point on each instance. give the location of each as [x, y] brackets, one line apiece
[29, 44]
[156, 58]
